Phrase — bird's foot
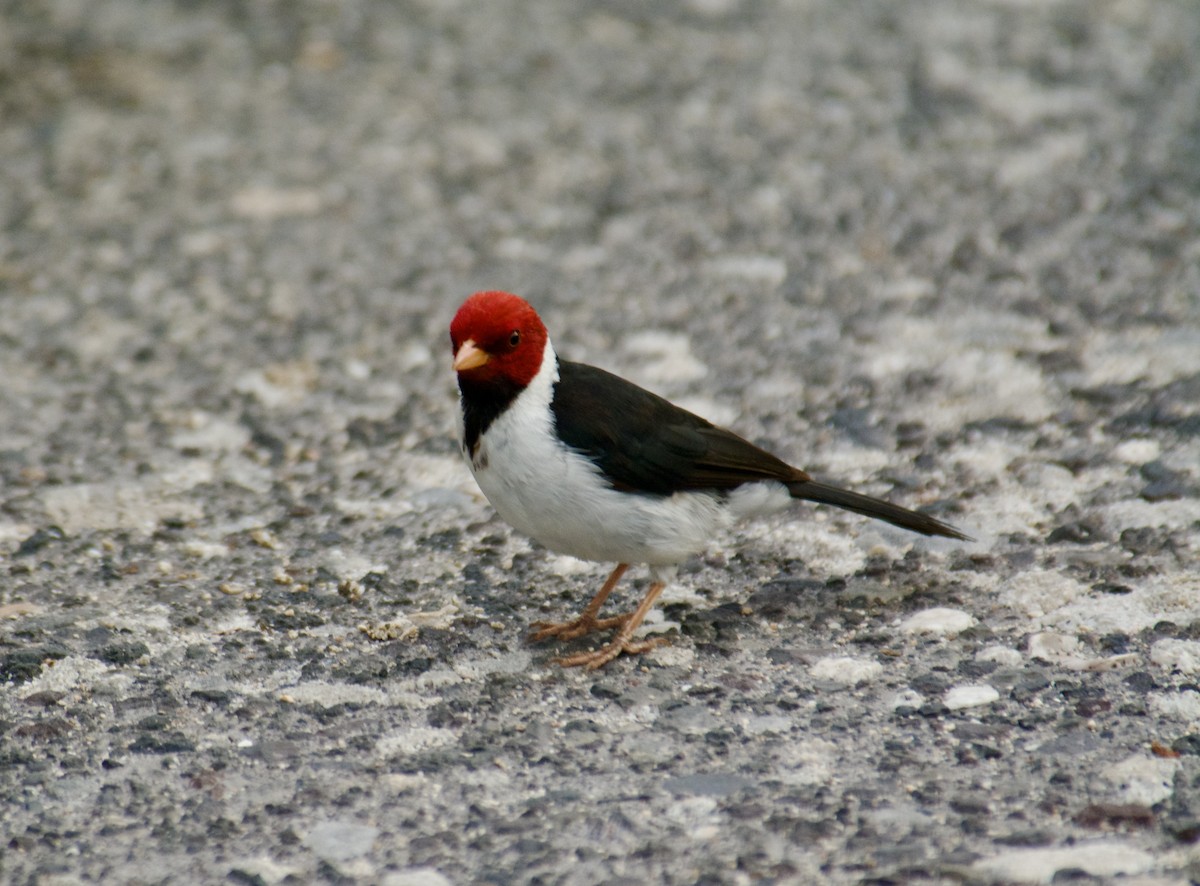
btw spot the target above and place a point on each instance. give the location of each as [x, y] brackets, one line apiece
[579, 627]
[598, 658]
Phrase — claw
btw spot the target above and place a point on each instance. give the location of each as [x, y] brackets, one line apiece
[570, 630]
[600, 657]
[622, 644]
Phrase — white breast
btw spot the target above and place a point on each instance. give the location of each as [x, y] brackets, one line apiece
[556, 496]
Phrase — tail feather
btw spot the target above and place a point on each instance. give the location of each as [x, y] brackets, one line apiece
[810, 490]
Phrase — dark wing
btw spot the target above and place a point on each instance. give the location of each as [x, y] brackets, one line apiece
[643, 443]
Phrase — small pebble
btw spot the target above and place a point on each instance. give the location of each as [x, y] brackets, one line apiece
[939, 621]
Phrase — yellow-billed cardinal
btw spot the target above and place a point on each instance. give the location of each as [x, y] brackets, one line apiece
[593, 466]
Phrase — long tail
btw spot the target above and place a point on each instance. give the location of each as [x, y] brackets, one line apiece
[811, 490]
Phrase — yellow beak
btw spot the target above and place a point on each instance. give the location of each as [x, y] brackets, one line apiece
[469, 356]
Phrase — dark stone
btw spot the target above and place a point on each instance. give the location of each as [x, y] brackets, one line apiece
[215, 696]
[1030, 684]
[365, 671]
[237, 875]
[710, 625]
[123, 653]
[1187, 744]
[374, 581]
[1164, 628]
[985, 751]
[929, 684]
[1185, 830]
[968, 731]
[974, 669]
[445, 540]
[779, 655]
[999, 424]
[1164, 483]
[46, 698]
[1140, 681]
[715, 784]
[25, 664]
[784, 598]
[1166, 490]
[44, 730]
[1077, 739]
[413, 667]
[1073, 875]
[1030, 838]
[1076, 532]
[40, 539]
[1059, 361]
[1099, 815]
[859, 425]
[970, 805]
[161, 743]
[1144, 540]
[1109, 395]
[1115, 643]
[1090, 707]
[1154, 471]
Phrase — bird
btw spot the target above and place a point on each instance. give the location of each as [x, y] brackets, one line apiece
[594, 466]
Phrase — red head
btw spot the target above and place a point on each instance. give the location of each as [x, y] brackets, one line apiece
[497, 337]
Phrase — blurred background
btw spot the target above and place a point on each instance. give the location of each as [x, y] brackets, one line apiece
[191, 188]
[257, 622]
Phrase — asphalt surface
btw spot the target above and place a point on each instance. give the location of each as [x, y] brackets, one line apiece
[258, 626]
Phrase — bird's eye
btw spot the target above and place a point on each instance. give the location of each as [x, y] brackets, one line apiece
[514, 339]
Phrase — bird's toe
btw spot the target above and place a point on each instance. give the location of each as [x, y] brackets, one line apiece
[571, 630]
[598, 658]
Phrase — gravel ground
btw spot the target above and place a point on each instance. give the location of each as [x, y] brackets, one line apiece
[258, 626]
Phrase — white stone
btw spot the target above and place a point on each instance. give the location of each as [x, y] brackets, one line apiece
[1001, 655]
[280, 384]
[565, 564]
[758, 268]
[1173, 597]
[329, 695]
[706, 407]
[664, 358]
[1137, 452]
[266, 204]
[771, 724]
[80, 507]
[1052, 646]
[1179, 655]
[939, 621]
[72, 674]
[969, 696]
[409, 741]
[341, 840]
[808, 762]
[477, 668]
[845, 671]
[416, 877]
[1042, 591]
[907, 698]
[1183, 706]
[1144, 780]
[898, 821]
[1103, 858]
